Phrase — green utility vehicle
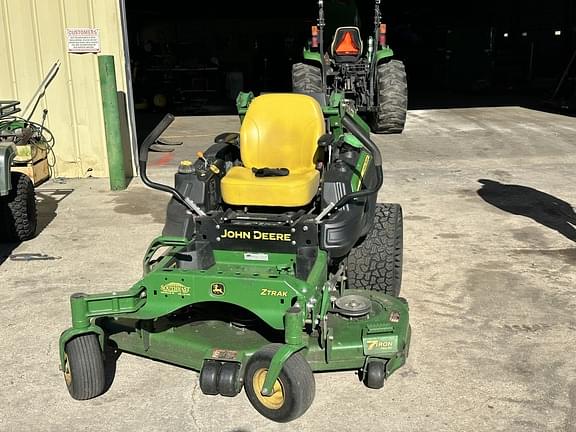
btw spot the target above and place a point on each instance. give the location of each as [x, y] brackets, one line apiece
[275, 262]
[17, 196]
[365, 73]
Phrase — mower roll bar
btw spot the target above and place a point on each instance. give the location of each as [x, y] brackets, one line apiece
[148, 141]
[353, 127]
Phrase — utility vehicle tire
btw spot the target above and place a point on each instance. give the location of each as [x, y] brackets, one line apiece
[84, 367]
[376, 263]
[306, 78]
[18, 218]
[392, 98]
[293, 391]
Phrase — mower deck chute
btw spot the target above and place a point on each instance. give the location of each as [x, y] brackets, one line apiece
[255, 295]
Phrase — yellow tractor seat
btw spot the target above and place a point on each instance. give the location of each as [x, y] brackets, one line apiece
[278, 131]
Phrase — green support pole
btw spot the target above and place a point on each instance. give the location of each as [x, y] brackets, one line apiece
[112, 122]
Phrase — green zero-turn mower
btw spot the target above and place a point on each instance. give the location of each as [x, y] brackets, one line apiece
[366, 73]
[275, 262]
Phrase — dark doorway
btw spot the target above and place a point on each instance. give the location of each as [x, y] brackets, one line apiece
[193, 60]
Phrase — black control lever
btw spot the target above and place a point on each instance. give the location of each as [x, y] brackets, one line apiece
[364, 138]
[143, 162]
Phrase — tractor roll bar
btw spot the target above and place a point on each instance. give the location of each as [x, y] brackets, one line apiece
[321, 25]
[351, 125]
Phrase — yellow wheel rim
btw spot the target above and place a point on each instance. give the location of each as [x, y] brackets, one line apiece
[276, 399]
[67, 373]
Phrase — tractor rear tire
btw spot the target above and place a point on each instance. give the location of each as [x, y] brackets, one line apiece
[306, 78]
[392, 98]
[376, 263]
[18, 217]
[293, 391]
[84, 367]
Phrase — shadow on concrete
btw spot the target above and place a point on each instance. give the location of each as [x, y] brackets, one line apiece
[111, 356]
[47, 205]
[125, 136]
[6, 250]
[48, 200]
[525, 201]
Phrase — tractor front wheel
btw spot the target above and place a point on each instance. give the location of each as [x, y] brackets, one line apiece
[84, 367]
[376, 263]
[306, 78]
[293, 391]
[392, 98]
[18, 217]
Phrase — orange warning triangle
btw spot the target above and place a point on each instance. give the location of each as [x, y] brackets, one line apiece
[347, 46]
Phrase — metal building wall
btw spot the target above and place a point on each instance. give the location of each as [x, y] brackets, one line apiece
[32, 38]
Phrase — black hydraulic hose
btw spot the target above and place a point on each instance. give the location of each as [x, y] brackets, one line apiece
[351, 125]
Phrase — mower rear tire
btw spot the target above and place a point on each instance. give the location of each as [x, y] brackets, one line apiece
[18, 217]
[84, 367]
[306, 78]
[376, 263]
[392, 98]
[294, 389]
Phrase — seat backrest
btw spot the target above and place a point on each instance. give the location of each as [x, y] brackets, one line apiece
[281, 131]
[347, 45]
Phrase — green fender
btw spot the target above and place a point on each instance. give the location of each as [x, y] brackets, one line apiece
[7, 153]
[383, 53]
[312, 56]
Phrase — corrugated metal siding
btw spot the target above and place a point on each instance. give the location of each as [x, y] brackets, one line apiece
[32, 38]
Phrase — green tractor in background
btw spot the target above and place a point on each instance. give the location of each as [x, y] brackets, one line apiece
[25, 147]
[365, 73]
[17, 195]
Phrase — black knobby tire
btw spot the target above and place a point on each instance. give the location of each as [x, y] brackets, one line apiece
[392, 97]
[84, 367]
[296, 382]
[376, 263]
[306, 78]
[18, 218]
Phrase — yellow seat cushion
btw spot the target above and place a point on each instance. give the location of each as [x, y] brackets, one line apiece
[278, 131]
[241, 187]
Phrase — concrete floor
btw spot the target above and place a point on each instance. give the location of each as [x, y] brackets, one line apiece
[489, 275]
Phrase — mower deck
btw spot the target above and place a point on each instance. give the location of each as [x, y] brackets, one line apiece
[166, 316]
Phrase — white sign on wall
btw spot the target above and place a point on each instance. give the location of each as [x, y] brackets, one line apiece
[83, 40]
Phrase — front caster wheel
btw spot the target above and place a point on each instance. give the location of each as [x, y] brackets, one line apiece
[293, 391]
[84, 367]
[375, 374]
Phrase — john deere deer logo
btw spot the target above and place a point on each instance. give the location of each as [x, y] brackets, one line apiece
[217, 289]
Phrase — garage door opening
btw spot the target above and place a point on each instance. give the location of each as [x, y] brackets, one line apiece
[194, 62]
